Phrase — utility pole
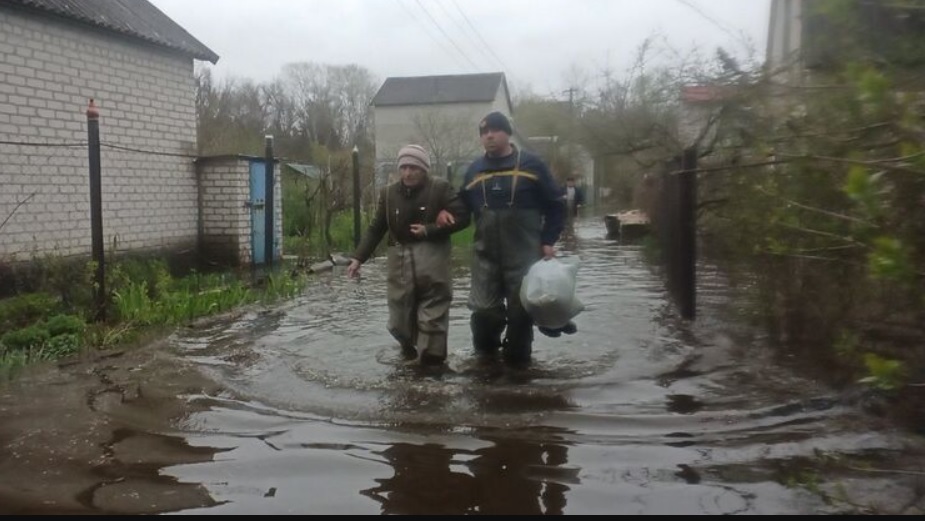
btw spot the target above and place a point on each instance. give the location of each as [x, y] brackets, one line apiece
[356, 196]
[269, 206]
[571, 125]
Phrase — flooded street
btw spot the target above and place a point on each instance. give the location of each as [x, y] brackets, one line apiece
[308, 408]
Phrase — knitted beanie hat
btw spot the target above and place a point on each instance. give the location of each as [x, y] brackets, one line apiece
[414, 155]
[496, 121]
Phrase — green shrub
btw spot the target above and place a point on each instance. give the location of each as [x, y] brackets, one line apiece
[31, 337]
[24, 310]
[61, 345]
[64, 325]
[133, 303]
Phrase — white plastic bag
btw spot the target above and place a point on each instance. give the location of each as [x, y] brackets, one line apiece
[548, 292]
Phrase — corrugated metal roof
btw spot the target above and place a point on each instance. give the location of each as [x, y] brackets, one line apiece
[705, 93]
[431, 90]
[309, 171]
[136, 18]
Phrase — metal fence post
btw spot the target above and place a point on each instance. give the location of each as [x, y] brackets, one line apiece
[356, 196]
[269, 216]
[96, 209]
[687, 234]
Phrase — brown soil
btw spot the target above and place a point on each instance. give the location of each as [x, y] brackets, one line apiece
[67, 447]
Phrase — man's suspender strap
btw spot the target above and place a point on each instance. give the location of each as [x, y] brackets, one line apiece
[515, 174]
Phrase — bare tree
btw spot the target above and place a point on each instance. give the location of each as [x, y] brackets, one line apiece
[282, 121]
[232, 115]
[331, 102]
[447, 135]
[356, 87]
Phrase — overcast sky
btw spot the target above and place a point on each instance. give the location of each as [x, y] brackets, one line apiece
[535, 42]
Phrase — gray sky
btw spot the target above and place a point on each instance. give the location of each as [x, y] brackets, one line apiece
[535, 42]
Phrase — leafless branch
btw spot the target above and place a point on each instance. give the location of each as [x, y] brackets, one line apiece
[884, 164]
[742, 165]
[818, 210]
[821, 233]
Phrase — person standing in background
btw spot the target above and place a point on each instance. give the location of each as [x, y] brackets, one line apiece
[574, 197]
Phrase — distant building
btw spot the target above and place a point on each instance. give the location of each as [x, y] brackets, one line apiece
[440, 113]
[785, 35]
[699, 106]
[802, 37]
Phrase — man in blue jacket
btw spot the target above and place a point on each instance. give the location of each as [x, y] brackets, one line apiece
[518, 214]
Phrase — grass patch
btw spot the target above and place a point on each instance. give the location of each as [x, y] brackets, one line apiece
[39, 327]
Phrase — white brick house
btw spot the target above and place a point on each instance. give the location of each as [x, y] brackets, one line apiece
[138, 65]
[233, 219]
[439, 112]
[804, 37]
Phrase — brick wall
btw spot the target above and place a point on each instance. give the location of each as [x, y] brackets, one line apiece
[226, 219]
[48, 71]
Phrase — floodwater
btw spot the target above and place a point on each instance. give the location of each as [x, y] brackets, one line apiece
[308, 408]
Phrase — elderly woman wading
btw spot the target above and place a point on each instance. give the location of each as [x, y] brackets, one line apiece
[419, 281]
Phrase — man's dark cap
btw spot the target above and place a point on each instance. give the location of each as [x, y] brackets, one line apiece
[495, 121]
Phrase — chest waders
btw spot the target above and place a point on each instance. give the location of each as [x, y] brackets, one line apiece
[419, 287]
[507, 243]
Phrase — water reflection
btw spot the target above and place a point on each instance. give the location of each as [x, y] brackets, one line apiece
[132, 479]
[568, 241]
[522, 477]
[506, 477]
[659, 415]
[423, 482]
[683, 404]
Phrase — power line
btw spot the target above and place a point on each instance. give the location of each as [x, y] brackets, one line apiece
[453, 42]
[719, 25]
[148, 152]
[38, 144]
[462, 30]
[427, 31]
[479, 35]
[113, 146]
